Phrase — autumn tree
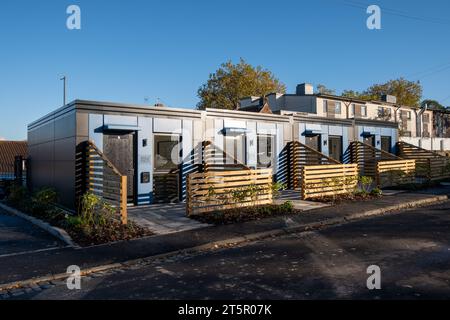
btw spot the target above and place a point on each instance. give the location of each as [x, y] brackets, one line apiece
[322, 89]
[232, 82]
[408, 93]
[433, 104]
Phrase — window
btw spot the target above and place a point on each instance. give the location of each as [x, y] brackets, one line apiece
[384, 113]
[426, 118]
[363, 111]
[325, 106]
[166, 152]
[409, 115]
[352, 110]
[265, 151]
[338, 108]
[234, 147]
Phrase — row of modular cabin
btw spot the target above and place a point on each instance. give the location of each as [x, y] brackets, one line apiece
[148, 143]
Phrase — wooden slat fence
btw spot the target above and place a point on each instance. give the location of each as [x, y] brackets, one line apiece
[396, 172]
[429, 164]
[96, 174]
[301, 155]
[328, 180]
[367, 157]
[221, 190]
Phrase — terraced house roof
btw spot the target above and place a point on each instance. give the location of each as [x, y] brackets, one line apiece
[8, 151]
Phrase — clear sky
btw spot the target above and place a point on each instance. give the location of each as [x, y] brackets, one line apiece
[129, 50]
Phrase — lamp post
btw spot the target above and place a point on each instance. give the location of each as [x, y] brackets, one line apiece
[64, 79]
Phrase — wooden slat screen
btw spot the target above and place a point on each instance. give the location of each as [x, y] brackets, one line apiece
[429, 164]
[328, 180]
[367, 157]
[213, 191]
[96, 174]
[302, 155]
[396, 172]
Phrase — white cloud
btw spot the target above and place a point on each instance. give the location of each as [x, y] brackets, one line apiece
[2, 139]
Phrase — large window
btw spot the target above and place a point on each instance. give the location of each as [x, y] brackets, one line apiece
[234, 147]
[338, 108]
[166, 152]
[265, 151]
[363, 111]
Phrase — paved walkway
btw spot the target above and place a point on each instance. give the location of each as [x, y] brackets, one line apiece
[18, 235]
[164, 218]
[170, 218]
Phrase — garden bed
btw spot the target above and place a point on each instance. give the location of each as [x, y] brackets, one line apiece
[244, 214]
[351, 197]
[96, 225]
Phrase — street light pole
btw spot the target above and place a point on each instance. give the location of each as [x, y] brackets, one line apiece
[64, 79]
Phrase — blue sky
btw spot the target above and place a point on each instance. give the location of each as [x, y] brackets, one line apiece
[129, 50]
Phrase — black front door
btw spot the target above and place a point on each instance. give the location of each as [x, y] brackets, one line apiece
[166, 169]
[335, 147]
[120, 149]
[386, 143]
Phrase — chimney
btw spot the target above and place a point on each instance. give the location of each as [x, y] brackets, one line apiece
[389, 99]
[305, 89]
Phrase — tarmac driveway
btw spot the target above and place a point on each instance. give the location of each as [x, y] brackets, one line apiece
[18, 236]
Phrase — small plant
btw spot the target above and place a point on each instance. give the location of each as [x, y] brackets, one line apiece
[376, 192]
[287, 207]
[94, 211]
[17, 194]
[277, 187]
[365, 184]
[43, 202]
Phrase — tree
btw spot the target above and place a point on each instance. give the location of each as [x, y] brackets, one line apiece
[433, 104]
[232, 82]
[322, 89]
[359, 95]
[408, 93]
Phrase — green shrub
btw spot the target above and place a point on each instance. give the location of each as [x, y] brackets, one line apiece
[74, 221]
[365, 184]
[43, 202]
[287, 207]
[277, 187]
[95, 212]
[17, 195]
[376, 192]
[45, 196]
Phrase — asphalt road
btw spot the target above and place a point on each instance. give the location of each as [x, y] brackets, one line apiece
[411, 248]
[19, 236]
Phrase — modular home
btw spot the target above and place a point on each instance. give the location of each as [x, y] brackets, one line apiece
[157, 147]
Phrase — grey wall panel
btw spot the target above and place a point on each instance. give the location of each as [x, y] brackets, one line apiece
[82, 124]
[65, 126]
[120, 120]
[64, 182]
[163, 125]
[65, 149]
